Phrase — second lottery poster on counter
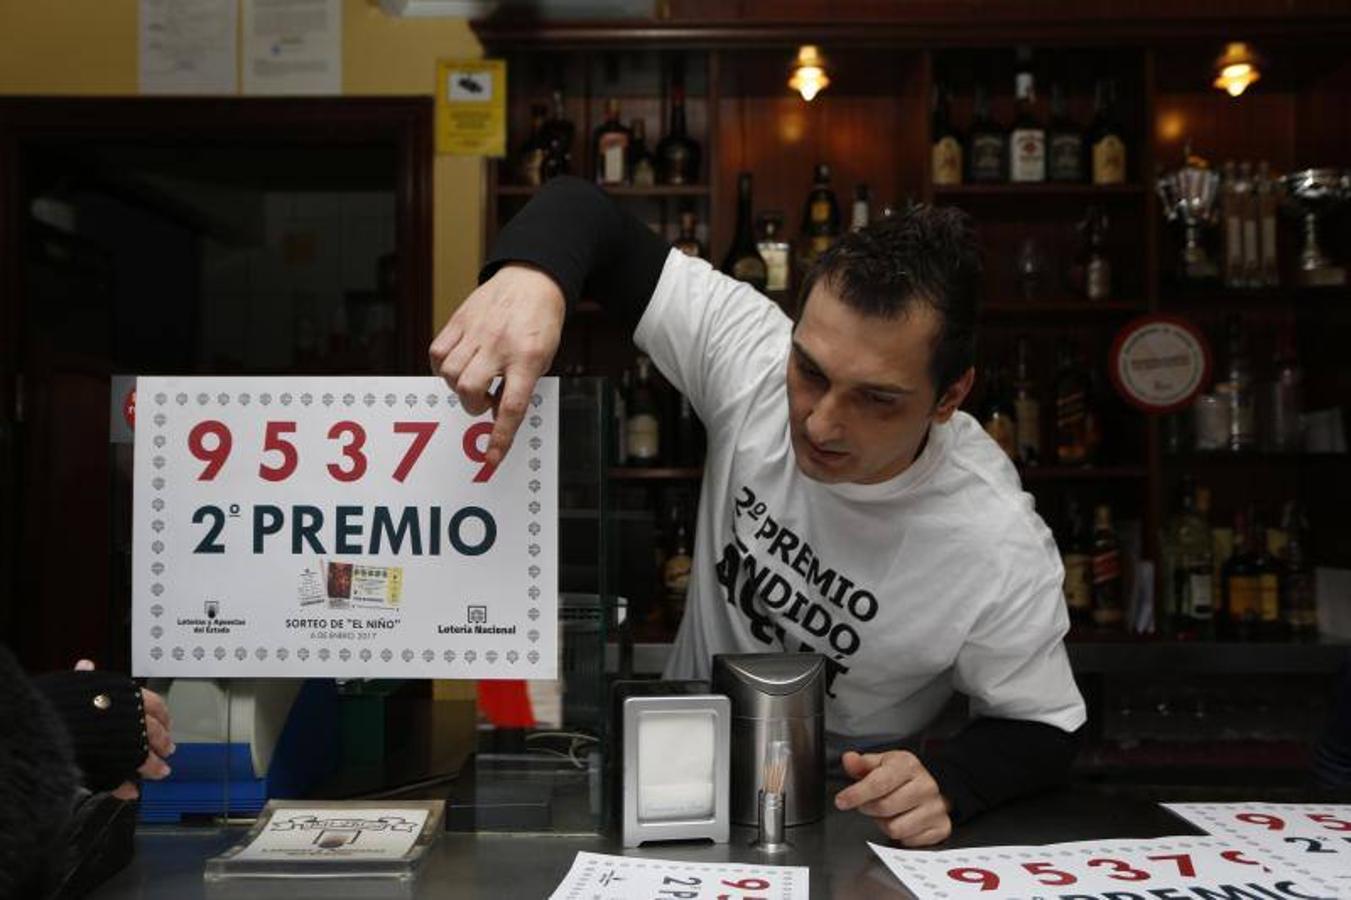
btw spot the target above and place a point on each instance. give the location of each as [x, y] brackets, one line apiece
[340, 527]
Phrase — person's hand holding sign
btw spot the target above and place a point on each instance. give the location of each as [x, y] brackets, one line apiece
[899, 794]
[510, 326]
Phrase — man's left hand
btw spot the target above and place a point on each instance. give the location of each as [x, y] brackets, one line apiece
[899, 794]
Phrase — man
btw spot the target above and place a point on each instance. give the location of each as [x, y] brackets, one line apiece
[848, 508]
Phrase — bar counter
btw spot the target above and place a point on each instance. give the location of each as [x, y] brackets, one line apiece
[169, 860]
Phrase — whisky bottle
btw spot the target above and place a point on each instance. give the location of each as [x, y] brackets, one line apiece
[947, 144]
[1065, 143]
[1232, 215]
[558, 135]
[688, 243]
[1270, 624]
[678, 155]
[1076, 555]
[644, 418]
[1251, 218]
[743, 261]
[1026, 406]
[1185, 608]
[1282, 432]
[530, 159]
[1268, 201]
[676, 570]
[776, 253]
[610, 147]
[642, 165]
[1076, 425]
[1027, 137]
[1298, 605]
[820, 219]
[861, 211]
[1093, 266]
[1109, 608]
[987, 160]
[1106, 143]
[998, 417]
[1242, 590]
[1238, 389]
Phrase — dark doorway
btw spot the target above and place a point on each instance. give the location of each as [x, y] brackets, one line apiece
[180, 237]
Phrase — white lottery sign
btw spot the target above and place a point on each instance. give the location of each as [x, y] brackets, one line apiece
[340, 527]
[597, 876]
[1181, 868]
[325, 833]
[1316, 837]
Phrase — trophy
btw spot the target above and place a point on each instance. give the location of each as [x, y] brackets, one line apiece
[1313, 192]
[1189, 195]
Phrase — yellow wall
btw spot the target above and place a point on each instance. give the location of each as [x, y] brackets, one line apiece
[88, 47]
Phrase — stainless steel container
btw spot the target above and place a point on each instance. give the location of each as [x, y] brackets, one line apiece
[776, 695]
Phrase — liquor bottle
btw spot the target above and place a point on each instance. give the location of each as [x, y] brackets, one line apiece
[676, 570]
[1109, 608]
[642, 165]
[743, 261]
[530, 159]
[1027, 406]
[1242, 591]
[987, 159]
[1185, 610]
[947, 144]
[998, 414]
[1091, 274]
[776, 253]
[1027, 137]
[1076, 423]
[861, 211]
[1298, 605]
[1268, 202]
[820, 219]
[678, 155]
[1248, 210]
[688, 243]
[1282, 432]
[644, 418]
[1238, 389]
[558, 136]
[689, 441]
[1077, 557]
[610, 147]
[1269, 621]
[1232, 216]
[1064, 143]
[1105, 140]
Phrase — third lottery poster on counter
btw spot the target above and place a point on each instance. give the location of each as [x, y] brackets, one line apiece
[340, 527]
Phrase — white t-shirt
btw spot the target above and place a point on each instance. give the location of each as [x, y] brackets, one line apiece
[943, 578]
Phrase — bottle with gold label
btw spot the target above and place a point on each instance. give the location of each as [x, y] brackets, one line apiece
[1242, 588]
[1064, 143]
[643, 427]
[998, 416]
[1106, 144]
[947, 144]
[676, 570]
[777, 254]
[1270, 626]
[743, 261]
[1109, 606]
[820, 220]
[1076, 553]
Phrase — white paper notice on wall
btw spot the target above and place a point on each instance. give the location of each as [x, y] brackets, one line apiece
[1309, 836]
[340, 527]
[188, 47]
[292, 47]
[598, 876]
[1178, 868]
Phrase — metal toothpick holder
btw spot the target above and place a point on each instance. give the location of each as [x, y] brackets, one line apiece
[775, 696]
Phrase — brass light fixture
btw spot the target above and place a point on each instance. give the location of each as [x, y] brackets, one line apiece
[1237, 68]
[809, 72]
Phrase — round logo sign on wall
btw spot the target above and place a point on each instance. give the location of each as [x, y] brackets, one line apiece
[1159, 363]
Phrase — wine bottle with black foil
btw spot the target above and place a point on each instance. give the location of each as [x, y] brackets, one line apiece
[820, 220]
[678, 155]
[987, 149]
[947, 143]
[743, 261]
[1064, 143]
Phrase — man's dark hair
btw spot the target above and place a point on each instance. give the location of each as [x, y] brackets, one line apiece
[926, 255]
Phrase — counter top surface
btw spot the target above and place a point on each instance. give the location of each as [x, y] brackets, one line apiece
[169, 860]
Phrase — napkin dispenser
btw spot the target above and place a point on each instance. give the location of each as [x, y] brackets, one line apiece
[674, 743]
[776, 696]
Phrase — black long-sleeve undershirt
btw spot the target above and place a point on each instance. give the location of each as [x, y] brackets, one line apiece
[574, 232]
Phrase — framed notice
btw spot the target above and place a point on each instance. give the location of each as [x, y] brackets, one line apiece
[340, 527]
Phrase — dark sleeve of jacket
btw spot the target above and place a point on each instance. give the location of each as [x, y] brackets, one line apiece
[104, 717]
[994, 761]
[586, 242]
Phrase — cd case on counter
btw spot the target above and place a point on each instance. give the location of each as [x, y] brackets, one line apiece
[298, 839]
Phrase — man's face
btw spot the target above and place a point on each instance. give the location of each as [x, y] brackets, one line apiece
[860, 398]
